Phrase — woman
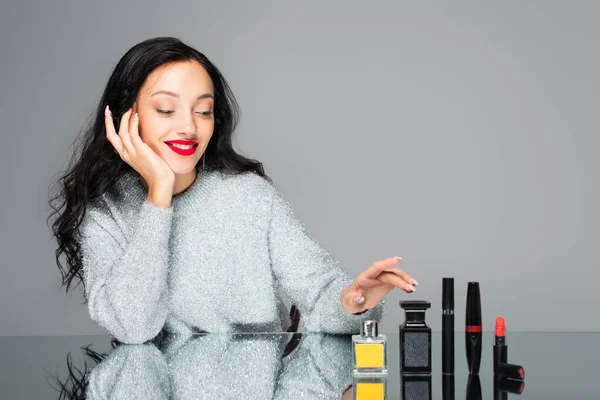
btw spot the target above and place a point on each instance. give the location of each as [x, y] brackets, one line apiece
[168, 227]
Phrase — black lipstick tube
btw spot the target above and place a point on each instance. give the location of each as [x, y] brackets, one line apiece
[448, 325]
[473, 328]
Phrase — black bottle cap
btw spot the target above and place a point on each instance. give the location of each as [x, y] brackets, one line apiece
[417, 305]
[448, 294]
[473, 314]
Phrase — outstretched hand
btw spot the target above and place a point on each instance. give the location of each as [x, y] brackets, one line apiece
[373, 284]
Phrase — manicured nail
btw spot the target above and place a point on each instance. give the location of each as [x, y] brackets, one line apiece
[413, 281]
[359, 300]
[398, 258]
[412, 288]
[107, 111]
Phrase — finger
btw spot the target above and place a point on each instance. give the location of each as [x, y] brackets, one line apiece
[111, 134]
[378, 266]
[387, 265]
[392, 278]
[134, 132]
[132, 118]
[365, 282]
[124, 132]
[354, 297]
[404, 275]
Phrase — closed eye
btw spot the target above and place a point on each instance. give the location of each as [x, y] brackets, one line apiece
[202, 113]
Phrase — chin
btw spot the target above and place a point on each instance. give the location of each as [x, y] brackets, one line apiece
[183, 168]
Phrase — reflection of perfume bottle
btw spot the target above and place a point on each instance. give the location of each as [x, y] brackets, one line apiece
[369, 386]
[415, 338]
[368, 349]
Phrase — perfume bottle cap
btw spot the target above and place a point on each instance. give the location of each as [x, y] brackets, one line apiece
[414, 311]
[369, 329]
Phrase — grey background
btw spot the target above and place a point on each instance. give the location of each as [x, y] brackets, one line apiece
[461, 137]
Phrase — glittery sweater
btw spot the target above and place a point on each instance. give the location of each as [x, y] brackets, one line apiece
[203, 367]
[226, 256]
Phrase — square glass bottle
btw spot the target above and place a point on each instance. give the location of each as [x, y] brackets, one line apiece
[415, 338]
[368, 349]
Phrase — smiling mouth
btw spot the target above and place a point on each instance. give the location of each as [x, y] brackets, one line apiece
[182, 146]
[183, 149]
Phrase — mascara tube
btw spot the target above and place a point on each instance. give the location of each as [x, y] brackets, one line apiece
[473, 328]
[448, 325]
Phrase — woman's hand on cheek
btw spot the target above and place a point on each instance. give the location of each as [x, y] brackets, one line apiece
[373, 284]
[132, 149]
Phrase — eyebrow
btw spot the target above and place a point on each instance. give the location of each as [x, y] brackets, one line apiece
[202, 96]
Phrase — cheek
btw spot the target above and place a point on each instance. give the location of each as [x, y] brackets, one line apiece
[152, 131]
[209, 128]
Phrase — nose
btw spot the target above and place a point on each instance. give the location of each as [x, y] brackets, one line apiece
[187, 125]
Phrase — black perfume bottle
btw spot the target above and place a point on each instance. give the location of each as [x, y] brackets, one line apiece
[415, 338]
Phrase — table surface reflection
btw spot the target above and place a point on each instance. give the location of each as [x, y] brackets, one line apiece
[252, 366]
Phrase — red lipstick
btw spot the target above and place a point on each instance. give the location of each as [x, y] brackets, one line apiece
[501, 367]
[183, 152]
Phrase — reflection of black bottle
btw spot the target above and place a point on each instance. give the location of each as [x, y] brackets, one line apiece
[415, 338]
[448, 387]
[416, 387]
[473, 387]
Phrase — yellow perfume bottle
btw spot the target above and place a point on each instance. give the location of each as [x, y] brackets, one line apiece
[368, 349]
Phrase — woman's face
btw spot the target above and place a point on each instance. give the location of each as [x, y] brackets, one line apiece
[176, 103]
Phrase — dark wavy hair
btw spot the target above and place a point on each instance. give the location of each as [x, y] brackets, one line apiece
[95, 167]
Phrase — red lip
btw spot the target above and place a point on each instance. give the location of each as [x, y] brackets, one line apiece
[183, 152]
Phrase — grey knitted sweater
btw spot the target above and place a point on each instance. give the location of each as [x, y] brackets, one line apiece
[227, 366]
[226, 256]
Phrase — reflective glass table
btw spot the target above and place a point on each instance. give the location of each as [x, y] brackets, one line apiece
[276, 366]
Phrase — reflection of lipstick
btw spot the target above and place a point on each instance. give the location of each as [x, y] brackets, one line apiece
[190, 146]
[503, 386]
[473, 327]
[509, 385]
[501, 367]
